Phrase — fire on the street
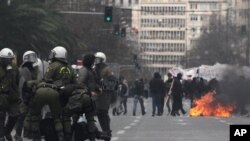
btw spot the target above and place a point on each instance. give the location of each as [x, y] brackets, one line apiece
[208, 106]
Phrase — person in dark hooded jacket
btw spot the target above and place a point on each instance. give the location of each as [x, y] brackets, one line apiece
[177, 93]
[157, 89]
[138, 96]
[87, 79]
[86, 74]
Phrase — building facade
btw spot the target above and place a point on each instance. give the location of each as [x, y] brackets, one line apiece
[199, 14]
[240, 13]
[162, 34]
[240, 16]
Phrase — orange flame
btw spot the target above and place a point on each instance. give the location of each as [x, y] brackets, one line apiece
[207, 106]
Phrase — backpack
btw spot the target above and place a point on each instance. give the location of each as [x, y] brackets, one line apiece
[80, 102]
[109, 83]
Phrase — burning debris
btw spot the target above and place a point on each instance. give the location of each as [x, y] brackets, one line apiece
[208, 105]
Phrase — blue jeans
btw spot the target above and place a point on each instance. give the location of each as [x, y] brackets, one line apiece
[156, 103]
[140, 99]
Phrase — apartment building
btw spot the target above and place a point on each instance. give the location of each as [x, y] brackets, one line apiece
[162, 34]
[199, 14]
[240, 13]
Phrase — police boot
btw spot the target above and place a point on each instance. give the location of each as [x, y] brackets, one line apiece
[91, 131]
[102, 136]
[37, 138]
[9, 127]
[60, 136]
[67, 137]
[2, 121]
[27, 128]
[8, 137]
[18, 138]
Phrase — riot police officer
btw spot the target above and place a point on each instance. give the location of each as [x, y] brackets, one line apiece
[58, 75]
[28, 76]
[108, 85]
[9, 77]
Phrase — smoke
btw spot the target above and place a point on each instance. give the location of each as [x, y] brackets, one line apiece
[235, 88]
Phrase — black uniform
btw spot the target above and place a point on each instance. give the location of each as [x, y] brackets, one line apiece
[177, 92]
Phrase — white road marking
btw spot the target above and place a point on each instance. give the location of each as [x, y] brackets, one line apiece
[132, 124]
[114, 138]
[138, 117]
[182, 123]
[136, 120]
[223, 121]
[127, 127]
[120, 132]
[180, 120]
[217, 118]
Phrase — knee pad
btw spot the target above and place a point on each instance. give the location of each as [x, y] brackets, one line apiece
[58, 125]
[66, 122]
[27, 121]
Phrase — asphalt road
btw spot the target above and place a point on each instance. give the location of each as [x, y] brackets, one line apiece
[168, 128]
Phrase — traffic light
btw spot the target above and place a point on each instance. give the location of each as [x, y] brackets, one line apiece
[116, 29]
[123, 32]
[108, 12]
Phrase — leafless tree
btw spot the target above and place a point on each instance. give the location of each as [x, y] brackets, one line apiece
[221, 43]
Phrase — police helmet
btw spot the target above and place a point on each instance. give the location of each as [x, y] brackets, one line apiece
[30, 56]
[7, 53]
[58, 52]
[100, 56]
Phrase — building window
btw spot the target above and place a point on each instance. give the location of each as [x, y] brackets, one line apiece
[121, 2]
[193, 6]
[194, 18]
[203, 6]
[129, 2]
[193, 42]
[213, 6]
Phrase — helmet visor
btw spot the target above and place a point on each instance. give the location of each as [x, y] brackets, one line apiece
[30, 58]
[6, 61]
[98, 60]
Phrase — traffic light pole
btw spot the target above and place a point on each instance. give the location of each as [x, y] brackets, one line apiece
[81, 13]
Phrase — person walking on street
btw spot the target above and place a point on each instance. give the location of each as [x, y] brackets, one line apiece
[138, 96]
[122, 90]
[177, 92]
[168, 96]
[125, 97]
[157, 90]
